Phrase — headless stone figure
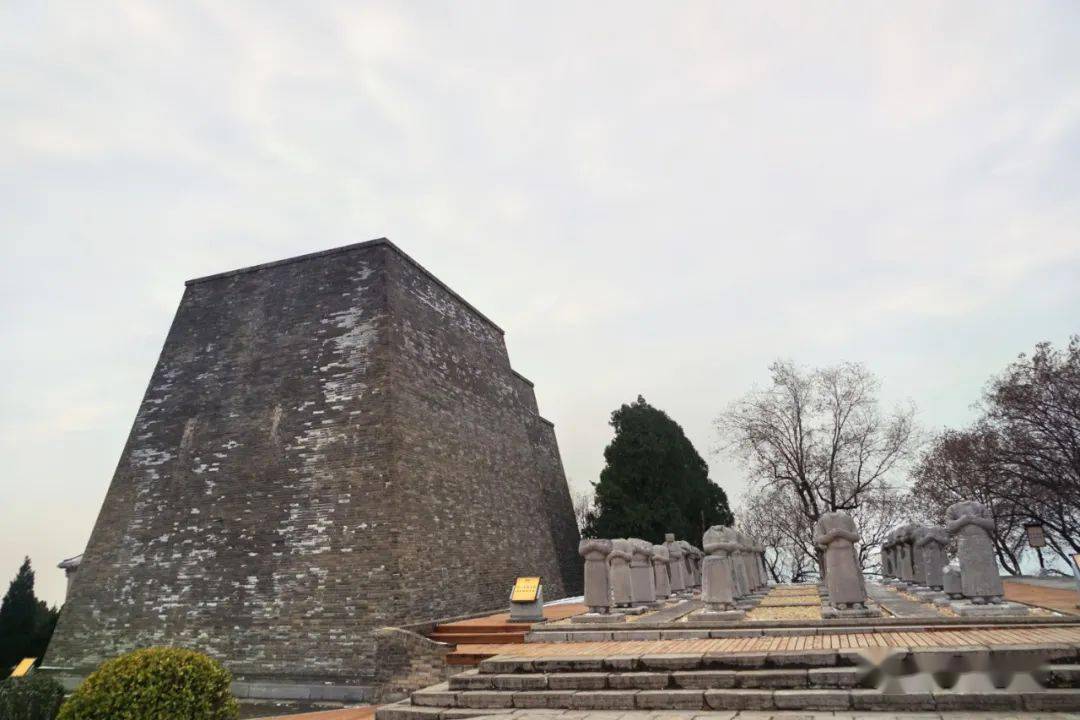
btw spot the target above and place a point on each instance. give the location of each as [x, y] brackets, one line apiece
[621, 582]
[717, 584]
[688, 564]
[835, 531]
[931, 544]
[907, 565]
[918, 568]
[970, 523]
[660, 560]
[885, 559]
[642, 584]
[675, 566]
[597, 582]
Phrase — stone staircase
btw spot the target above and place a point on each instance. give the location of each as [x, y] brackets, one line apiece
[458, 634]
[1002, 679]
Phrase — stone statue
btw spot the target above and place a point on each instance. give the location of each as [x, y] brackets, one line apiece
[931, 545]
[716, 589]
[698, 557]
[971, 524]
[660, 560]
[675, 551]
[642, 583]
[835, 531]
[741, 586]
[688, 564]
[619, 560]
[903, 546]
[886, 558]
[918, 568]
[597, 584]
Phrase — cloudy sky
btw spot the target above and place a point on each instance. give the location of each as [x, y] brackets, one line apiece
[651, 198]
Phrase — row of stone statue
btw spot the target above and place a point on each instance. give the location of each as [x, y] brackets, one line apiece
[733, 573]
[916, 556]
[629, 575]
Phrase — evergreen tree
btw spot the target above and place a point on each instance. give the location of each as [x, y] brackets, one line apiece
[26, 623]
[654, 482]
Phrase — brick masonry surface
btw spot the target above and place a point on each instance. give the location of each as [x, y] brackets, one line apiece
[328, 445]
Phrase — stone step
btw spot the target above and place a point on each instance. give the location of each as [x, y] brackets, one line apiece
[478, 638]
[480, 702]
[785, 678]
[668, 662]
[1029, 656]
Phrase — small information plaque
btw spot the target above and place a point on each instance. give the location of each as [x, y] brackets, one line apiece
[1035, 535]
[525, 589]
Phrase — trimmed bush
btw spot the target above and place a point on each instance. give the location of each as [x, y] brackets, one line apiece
[154, 684]
[36, 697]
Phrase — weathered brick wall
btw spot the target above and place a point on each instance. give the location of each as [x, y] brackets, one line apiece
[328, 445]
[470, 469]
[407, 661]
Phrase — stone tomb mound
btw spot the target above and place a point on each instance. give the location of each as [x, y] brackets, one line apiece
[329, 445]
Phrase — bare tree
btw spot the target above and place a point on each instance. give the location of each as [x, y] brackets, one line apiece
[582, 501]
[1033, 411]
[771, 517]
[820, 439]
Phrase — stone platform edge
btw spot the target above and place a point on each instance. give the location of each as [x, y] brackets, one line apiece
[262, 689]
[864, 624]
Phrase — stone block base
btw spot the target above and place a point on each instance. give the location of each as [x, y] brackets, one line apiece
[719, 615]
[931, 596]
[599, 617]
[968, 609]
[638, 610]
[831, 612]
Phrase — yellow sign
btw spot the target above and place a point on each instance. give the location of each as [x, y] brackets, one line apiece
[525, 589]
[23, 668]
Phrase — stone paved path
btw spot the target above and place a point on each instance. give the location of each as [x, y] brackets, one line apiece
[676, 611]
[897, 604]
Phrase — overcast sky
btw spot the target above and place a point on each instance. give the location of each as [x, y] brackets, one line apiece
[650, 198]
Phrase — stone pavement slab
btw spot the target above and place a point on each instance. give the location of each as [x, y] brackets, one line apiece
[897, 604]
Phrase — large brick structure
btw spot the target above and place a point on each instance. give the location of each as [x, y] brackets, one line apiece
[328, 445]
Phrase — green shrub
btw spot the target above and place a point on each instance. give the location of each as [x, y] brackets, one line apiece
[154, 684]
[35, 697]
